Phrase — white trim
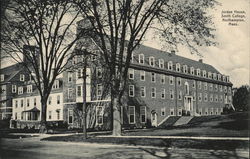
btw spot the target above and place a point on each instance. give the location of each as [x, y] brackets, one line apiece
[142, 73]
[101, 114]
[145, 108]
[152, 60]
[70, 109]
[132, 114]
[131, 71]
[133, 90]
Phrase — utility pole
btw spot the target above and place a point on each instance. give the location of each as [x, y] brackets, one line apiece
[84, 104]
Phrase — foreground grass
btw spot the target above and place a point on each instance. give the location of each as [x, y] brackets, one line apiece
[180, 143]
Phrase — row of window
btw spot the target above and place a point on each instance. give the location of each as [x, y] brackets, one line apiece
[19, 90]
[30, 101]
[29, 116]
[179, 81]
[171, 94]
[184, 69]
[99, 115]
[21, 77]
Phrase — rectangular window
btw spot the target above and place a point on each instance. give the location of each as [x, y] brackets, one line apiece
[99, 90]
[29, 89]
[141, 58]
[2, 78]
[179, 81]
[22, 77]
[229, 89]
[161, 63]
[185, 68]
[199, 85]
[98, 72]
[192, 71]
[131, 90]
[152, 61]
[20, 90]
[225, 89]
[58, 99]
[200, 97]
[171, 94]
[153, 92]
[79, 73]
[170, 65]
[131, 73]
[171, 80]
[70, 116]
[13, 88]
[21, 102]
[205, 97]
[34, 102]
[205, 85]
[204, 73]
[143, 91]
[28, 102]
[216, 98]
[163, 111]
[79, 91]
[211, 87]
[152, 77]
[70, 77]
[163, 94]
[50, 114]
[172, 112]
[221, 98]
[50, 100]
[56, 84]
[142, 75]
[70, 93]
[163, 79]
[198, 72]
[99, 115]
[131, 115]
[180, 95]
[194, 96]
[179, 112]
[216, 87]
[58, 114]
[193, 83]
[143, 114]
[211, 97]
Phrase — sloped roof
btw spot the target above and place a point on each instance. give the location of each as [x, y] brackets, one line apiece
[159, 54]
[10, 71]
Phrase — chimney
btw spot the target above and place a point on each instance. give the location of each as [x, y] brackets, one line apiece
[173, 52]
[200, 60]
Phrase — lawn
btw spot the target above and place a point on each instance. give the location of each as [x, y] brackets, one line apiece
[235, 125]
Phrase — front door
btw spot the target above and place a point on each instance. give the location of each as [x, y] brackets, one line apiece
[154, 119]
[188, 105]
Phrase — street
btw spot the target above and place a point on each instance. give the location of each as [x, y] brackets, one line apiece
[34, 148]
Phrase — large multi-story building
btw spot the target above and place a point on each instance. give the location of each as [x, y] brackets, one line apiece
[160, 84]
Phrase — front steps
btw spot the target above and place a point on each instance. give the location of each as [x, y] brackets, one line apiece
[183, 120]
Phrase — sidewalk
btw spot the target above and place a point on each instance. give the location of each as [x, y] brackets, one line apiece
[181, 137]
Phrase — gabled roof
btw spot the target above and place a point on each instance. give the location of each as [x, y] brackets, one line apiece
[10, 71]
[159, 54]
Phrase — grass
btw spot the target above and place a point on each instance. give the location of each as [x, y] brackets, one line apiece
[234, 125]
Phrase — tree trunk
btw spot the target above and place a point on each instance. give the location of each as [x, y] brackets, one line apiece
[43, 127]
[117, 129]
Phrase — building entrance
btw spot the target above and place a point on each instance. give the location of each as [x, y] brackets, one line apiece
[188, 105]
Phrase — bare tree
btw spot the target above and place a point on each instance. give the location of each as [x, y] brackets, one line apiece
[121, 25]
[47, 28]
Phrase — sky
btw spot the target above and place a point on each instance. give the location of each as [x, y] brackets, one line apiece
[231, 55]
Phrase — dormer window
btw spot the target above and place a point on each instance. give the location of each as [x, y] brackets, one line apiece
[22, 77]
[192, 71]
[2, 78]
[29, 89]
[227, 79]
[141, 58]
[204, 73]
[170, 65]
[210, 75]
[185, 68]
[214, 76]
[56, 84]
[198, 73]
[178, 67]
[219, 77]
[161, 63]
[152, 61]
[20, 90]
[224, 78]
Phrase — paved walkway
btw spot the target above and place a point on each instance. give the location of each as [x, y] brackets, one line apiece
[181, 137]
